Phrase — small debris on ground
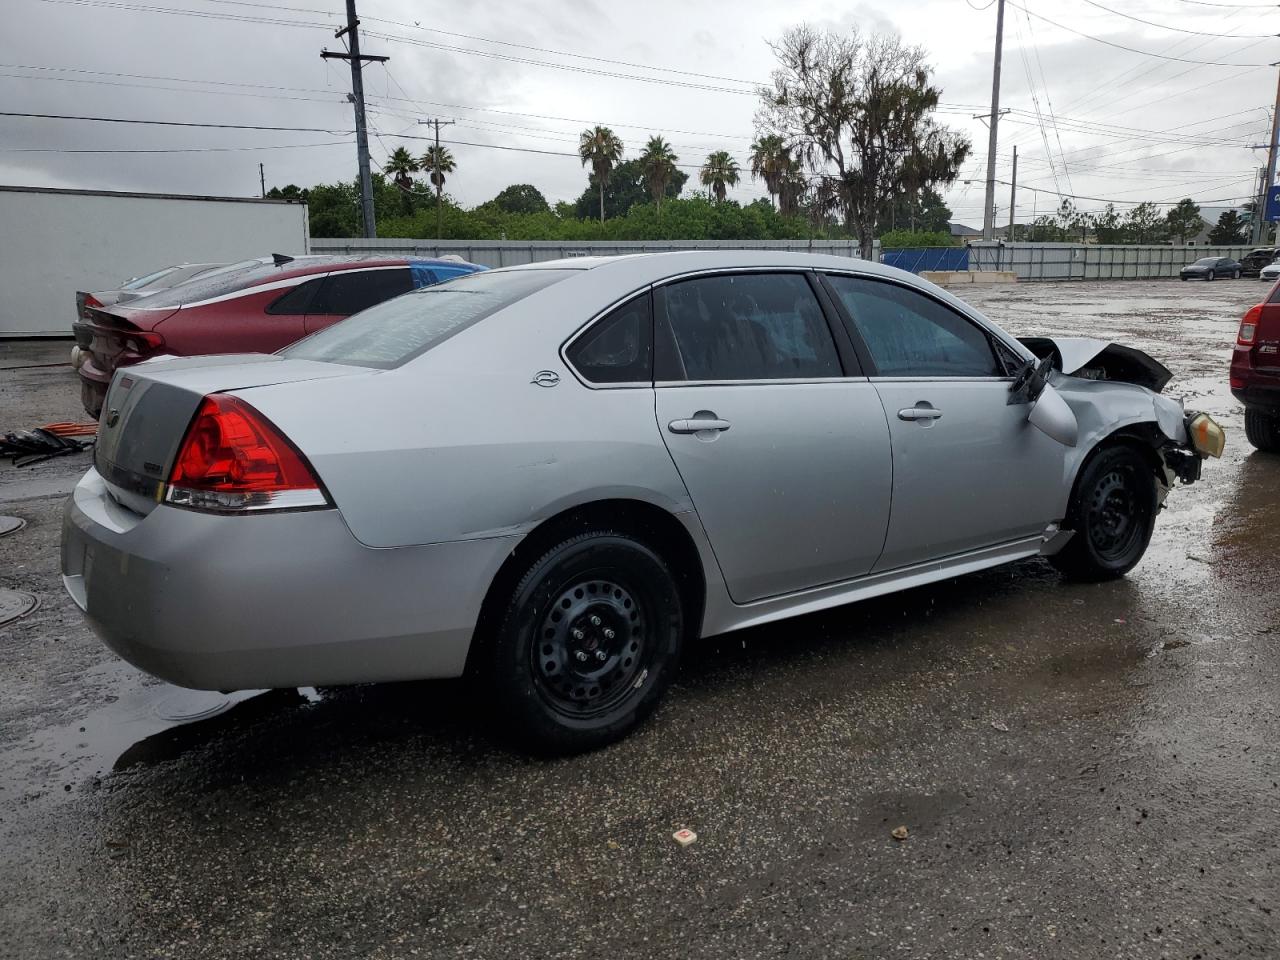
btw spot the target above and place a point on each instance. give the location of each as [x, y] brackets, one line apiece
[684, 837]
[899, 833]
[1175, 644]
[1000, 725]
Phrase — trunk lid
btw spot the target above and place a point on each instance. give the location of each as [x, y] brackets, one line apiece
[150, 405]
[117, 337]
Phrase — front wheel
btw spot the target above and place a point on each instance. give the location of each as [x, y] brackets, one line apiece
[1235, 275]
[1263, 429]
[1211, 275]
[1113, 513]
[588, 644]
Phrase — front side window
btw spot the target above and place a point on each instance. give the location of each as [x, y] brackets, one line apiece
[748, 326]
[297, 301]
[911, 335]
[618, 348]
[396, 331]
[351, 291]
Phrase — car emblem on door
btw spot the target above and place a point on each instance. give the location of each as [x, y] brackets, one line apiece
[546, 378]
[113, 418]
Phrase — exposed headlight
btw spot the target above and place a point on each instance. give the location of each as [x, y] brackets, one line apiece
[1207, 437]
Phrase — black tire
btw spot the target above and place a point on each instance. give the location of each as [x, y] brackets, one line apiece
[1112, 512]
[1263, 429]
[587, 645]
[1211, 275]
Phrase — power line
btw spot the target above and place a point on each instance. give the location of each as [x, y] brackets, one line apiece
[174, 123]
[96, 150]
[1121, 46]
[1165, 26]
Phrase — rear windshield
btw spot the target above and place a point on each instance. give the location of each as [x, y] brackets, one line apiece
[137, 283]
[215, 283]
[1205, 262]
[398, 330]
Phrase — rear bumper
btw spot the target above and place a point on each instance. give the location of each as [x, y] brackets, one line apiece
[1254, 386]
[273, 600]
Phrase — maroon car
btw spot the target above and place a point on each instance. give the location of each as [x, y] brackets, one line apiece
[257, 306]
[1255, 372]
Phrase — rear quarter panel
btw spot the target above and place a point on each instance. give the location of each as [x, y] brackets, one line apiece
[461, 444]
[236, 325]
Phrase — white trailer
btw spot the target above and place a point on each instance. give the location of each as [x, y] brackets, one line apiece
[54, 242]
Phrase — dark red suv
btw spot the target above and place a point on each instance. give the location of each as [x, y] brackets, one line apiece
[1255, 372]
[257, 306]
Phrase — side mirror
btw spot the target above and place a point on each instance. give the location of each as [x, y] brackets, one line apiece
[1053, 416]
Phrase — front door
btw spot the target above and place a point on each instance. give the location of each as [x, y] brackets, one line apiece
[969, 471]
[785, 456]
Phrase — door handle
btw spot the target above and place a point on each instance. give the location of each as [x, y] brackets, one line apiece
[919, 413]
[697, 425]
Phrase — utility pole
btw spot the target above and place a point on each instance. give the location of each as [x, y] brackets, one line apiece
[262, 179]
[989, 209]
[357, 62]
[1013, 193]
[437, 178]
[1260, 213]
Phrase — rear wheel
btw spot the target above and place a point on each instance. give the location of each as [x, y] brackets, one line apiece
[1235, 274]
[1263, 429]
[1112, 512]
[587, 645]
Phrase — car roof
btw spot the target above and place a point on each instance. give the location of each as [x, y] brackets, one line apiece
[321, 263]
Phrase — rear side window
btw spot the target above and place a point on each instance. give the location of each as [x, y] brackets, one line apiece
[351, 291]
[911, 335]
[296, 302]
[749, 326]
[396, 331]
[618, 348]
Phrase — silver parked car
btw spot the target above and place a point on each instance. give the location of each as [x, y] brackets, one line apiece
[551, 477]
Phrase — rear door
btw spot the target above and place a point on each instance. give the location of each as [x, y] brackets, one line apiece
[345, 292]
[781, 441]
[968, 469]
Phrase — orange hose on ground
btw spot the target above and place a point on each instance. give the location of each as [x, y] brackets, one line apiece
[69, 428]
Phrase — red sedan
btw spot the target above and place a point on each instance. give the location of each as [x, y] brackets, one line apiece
[257, 306]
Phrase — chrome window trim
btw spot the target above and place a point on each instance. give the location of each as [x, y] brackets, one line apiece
[563, 352]
[773, 382]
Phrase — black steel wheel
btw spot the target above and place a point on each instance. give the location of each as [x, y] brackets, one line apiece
[588, 643]
[1112, 512]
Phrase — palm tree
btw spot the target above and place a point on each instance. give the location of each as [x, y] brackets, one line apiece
[719, 173]
[402, 164]
[602, 149]
[657, 165]
[770, 162]
[438, 161]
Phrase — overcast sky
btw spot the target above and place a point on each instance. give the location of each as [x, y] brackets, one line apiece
[1173, 128]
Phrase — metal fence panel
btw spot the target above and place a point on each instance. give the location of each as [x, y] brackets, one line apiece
[1090, 261]
[508, 253]
[917, 259]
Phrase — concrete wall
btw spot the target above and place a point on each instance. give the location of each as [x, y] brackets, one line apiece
[1091, 261]
[508, 253]
[55, 242]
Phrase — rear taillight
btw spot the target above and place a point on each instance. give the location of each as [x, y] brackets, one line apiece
[1249, 326]
[234, 460]
[144, 342]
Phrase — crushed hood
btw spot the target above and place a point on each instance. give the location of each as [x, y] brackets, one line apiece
[1100, 360]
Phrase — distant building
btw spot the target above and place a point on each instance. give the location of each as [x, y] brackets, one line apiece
[963, 232]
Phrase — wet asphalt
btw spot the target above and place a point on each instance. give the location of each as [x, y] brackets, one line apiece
[1084, 771]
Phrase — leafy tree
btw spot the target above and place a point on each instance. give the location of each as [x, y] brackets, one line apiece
[521, 198]
[719, 173]
[899, 239]
[438, 161]
[401, 165]
[1184, 220]
[601, 148]
[1107, 227]
[627, 187]
[923, 210]
[1144, 224]
[658, 166]
[863, 106]
[1229, 230]
[771, 162]
[291, 192]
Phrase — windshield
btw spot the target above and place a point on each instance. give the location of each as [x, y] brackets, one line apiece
[214, 283]
[1205, 262]
[138, 282]
[400, 329]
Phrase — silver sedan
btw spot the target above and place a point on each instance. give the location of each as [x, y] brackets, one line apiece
[551, 477]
